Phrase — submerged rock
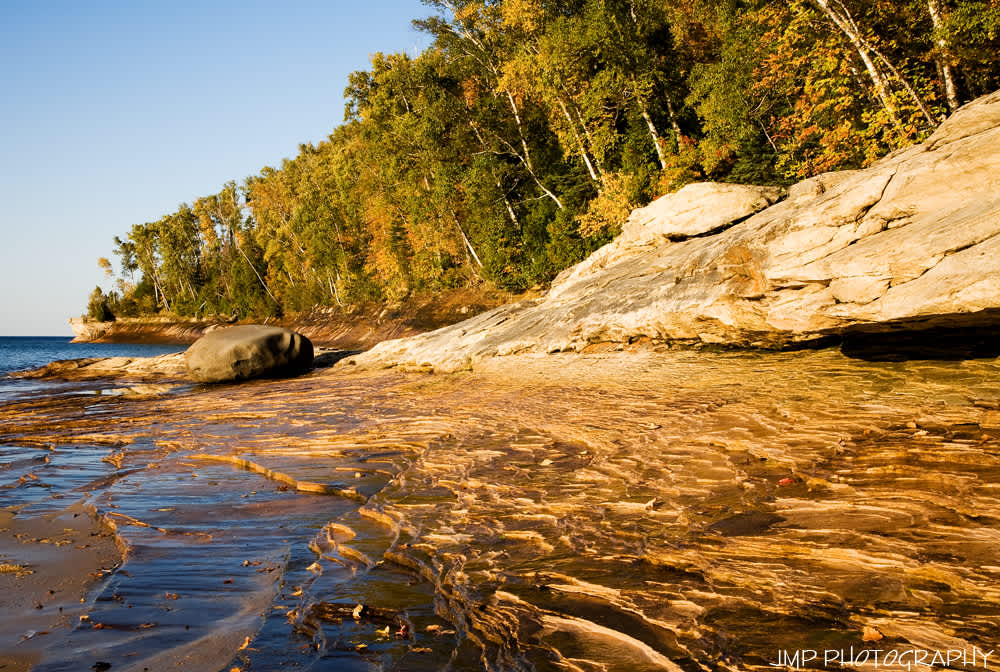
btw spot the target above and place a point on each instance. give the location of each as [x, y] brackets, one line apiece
[248, 351]
[170, 365]
[910, 243]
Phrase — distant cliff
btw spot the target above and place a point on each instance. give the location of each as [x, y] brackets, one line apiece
[138, 330]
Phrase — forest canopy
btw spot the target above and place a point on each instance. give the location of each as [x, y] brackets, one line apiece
[519, 140]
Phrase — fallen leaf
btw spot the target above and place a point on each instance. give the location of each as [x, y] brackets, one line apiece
[245, 644]
[420, 649]
[871, 634]
[384, 632]
[786, 481]
[357, 611]
[315, 568]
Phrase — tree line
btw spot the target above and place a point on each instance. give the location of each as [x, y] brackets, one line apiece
[519, 140]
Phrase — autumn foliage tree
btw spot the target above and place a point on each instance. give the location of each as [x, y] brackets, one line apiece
[519, 140]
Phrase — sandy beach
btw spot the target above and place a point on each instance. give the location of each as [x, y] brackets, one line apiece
[50, 565]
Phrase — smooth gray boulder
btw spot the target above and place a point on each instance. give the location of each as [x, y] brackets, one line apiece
[910, 243]
[248, 351]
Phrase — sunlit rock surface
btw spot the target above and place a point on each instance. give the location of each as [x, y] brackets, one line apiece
[170, 365]
[246, 351]
[619, 511]
[909, 243]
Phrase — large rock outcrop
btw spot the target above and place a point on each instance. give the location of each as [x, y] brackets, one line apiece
[88, 331]
[248, 351]
[909, 243]
[148, 329]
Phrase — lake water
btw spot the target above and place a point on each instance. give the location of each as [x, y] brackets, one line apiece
[18, 353]
[28, 352]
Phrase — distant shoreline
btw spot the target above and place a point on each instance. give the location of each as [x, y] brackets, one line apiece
[325, 326]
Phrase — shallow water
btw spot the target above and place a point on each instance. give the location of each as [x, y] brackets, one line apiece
[25, 352]
[608, 512]
[18, 353]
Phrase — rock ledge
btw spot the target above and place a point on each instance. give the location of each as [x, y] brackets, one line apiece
[910, 243]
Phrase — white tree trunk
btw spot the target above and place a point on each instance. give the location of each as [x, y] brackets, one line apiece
[845, 26]
[466, 240]
[947, 75]
[579, 143]
[656, 138]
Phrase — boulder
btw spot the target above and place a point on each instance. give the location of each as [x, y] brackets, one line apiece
[910, 243]
[248, 351]
[695, 210]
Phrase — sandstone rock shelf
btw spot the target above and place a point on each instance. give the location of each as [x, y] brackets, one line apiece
[703, 510]
[910, 243]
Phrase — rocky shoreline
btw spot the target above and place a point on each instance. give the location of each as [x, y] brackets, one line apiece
[329, 327]
[909, 245]
[615, 508]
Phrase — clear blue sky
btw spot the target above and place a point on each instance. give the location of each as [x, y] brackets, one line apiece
[114, 113]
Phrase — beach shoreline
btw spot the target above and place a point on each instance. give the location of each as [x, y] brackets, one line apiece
[53, 562]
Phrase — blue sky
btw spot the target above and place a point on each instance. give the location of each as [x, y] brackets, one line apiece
[114, 113]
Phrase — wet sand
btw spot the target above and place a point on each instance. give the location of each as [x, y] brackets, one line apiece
[628, 511]
[51, 563]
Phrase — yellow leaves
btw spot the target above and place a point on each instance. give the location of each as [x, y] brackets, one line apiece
[17, 570]
[528, 15]
[608, 212]
[469, 12]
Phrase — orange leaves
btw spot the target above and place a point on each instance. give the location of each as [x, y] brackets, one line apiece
[871, 634]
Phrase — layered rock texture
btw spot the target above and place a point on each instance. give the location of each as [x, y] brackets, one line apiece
[150, 329]
[626, 512]
[248, 351]
[908, 244]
